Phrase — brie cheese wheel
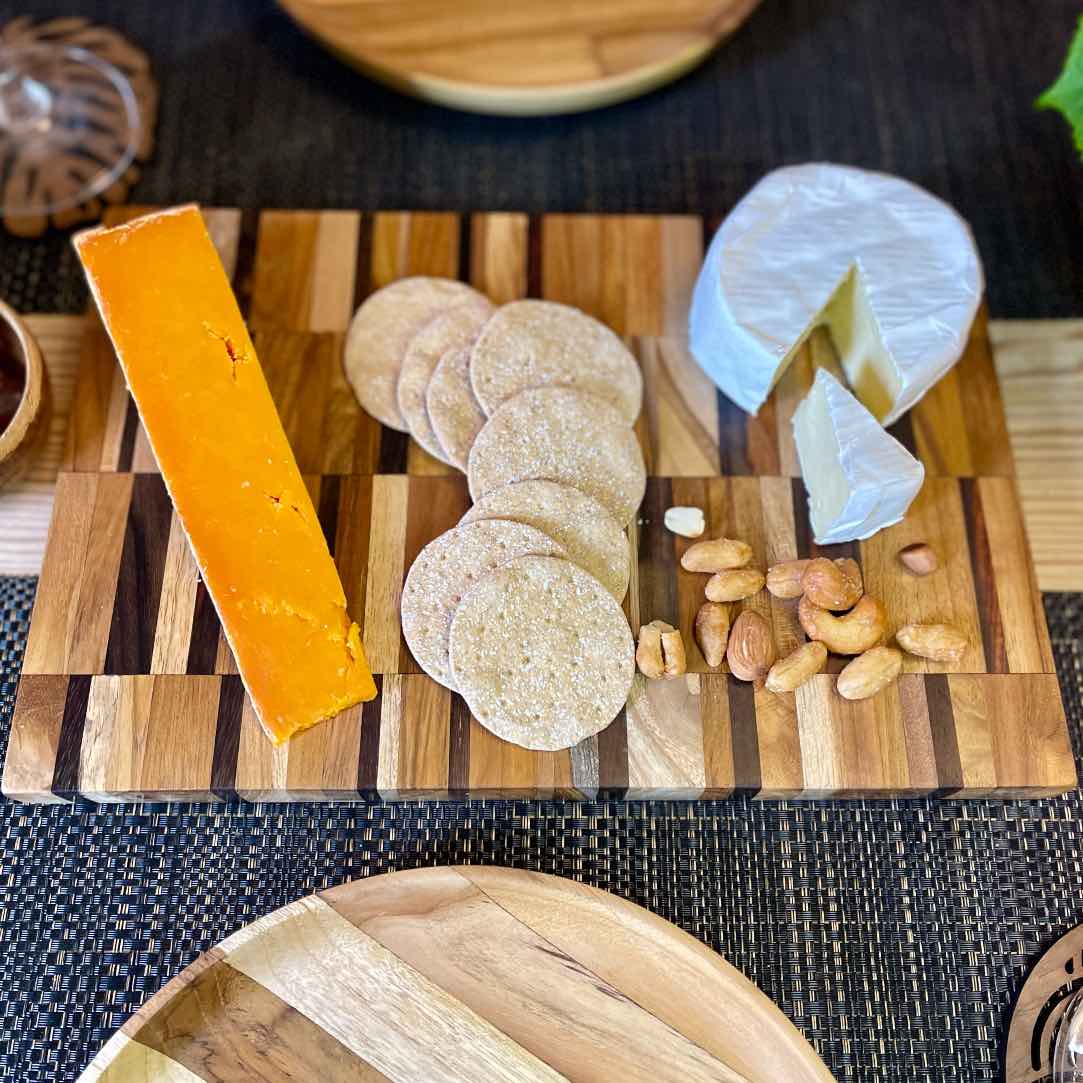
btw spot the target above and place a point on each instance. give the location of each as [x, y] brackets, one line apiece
[859, 478]
[891, 270]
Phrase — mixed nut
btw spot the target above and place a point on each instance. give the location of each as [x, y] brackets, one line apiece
[833, 609]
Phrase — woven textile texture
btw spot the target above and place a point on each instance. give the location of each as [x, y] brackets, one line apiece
[895, 934]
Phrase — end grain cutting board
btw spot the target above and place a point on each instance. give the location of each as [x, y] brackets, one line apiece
[129, 690]
[457, 974]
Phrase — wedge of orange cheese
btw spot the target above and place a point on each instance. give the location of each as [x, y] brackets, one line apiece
[192, 370]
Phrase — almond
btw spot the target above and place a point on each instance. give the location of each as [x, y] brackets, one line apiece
[751, 650]
[687, 522]
[716, 555]
[832, 584]
[733, 585]
[869, 673]
[712, 632]
[792, 671]
[919, 558]
[939, 642]
[784, 580]
[859, 630]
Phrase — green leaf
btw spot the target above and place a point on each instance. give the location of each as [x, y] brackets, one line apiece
[1066, 94]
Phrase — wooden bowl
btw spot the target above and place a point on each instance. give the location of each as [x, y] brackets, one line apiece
[24, 432]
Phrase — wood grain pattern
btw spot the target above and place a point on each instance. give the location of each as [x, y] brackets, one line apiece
[129, 688]
[447, 974]
[558, 57]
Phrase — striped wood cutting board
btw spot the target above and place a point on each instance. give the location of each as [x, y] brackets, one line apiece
[453, 974]
[128, 688]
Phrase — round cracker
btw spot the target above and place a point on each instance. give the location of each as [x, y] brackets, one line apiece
[453, 328]
[587, 533]
[381, 330]
[454, 413]
[564, 435]
[541, 344]
[542, 653]
[445, 570]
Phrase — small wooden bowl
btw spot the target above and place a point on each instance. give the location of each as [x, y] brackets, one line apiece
[28, 425]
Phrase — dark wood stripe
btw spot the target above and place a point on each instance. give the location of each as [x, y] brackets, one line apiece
[362, 281]
[69, 744]
[393, 448]
[227, 737]
[534, 277]
[466, 237]
[949, 766]
[368, 757]
[246, 258]
[747, 776]
[732, 438]
[327, 512]
[255, 1035]
[903, 431]
[802, 528]
[985, 587]
[206, 629]
[459, 751]
[613, 758]
[658, 567]
[127, 438]
[139, 581]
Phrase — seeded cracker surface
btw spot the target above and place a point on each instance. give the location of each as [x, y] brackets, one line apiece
[541, 344]
[452, 328]
[588, 534]
[454, 413]
[563, 435]
[380, 333]
[542, 653]
[445, 570]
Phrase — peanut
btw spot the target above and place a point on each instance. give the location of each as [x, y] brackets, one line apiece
[852, 633]
[832, 584]
[716, 555]
[751, 649]
[687, 522]
[792, 671]
[712, 632]
[660, 651]
[919, 558]
[869, 673]
[733, 585]
[939, 642]
[784, 580]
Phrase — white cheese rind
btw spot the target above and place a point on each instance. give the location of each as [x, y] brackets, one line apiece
[891, 269]
[859, 478]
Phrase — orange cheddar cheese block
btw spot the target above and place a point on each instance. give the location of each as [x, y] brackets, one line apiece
[192, 370]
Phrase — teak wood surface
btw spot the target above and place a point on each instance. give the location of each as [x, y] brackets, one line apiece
[129, 690]
[462, 973]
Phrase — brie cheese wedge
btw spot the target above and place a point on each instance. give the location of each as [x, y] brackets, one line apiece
[890, 269]
[859, 478]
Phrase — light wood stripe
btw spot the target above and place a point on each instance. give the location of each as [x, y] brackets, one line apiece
[665, 740]
[365, 997]
[180, 579]
[136, 1063]
[498, 256]
[34, 738]
[386, 571]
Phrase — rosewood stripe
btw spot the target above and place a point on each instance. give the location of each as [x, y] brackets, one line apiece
[732, 438]
[327, 510]
[70, 742]
[246, 258]
[227, 737]
[658, 566]
[534, 276]
[802, 528]
[985, 588]
[368, 756]
[394, 447]
[949, 767]
[459, 748]
[206, 629]
[465, 243]
[362, 282]
[127, 439]
[613, 758]
[139, 582]
[903, 431]
[747, 774]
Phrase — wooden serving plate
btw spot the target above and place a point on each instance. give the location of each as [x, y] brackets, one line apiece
[524, 59]
[129, 690]
[464, 973]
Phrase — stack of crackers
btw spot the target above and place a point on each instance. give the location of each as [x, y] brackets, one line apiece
[518, 608]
